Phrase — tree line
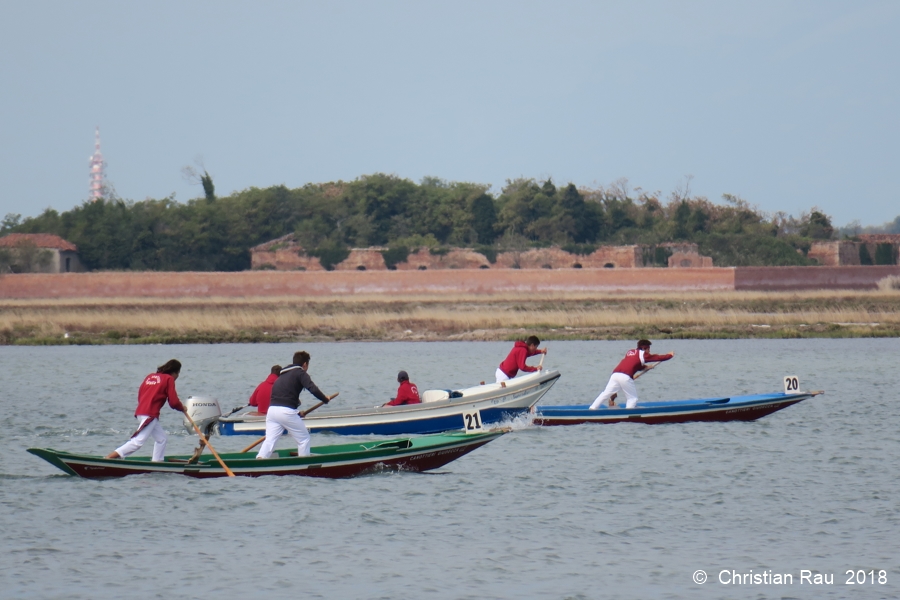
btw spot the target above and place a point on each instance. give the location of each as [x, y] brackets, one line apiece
[216, 233]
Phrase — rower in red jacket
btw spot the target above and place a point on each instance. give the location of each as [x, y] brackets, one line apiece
[622, 379]
[156, 389]
[407, 393]
[262, 395]
[515, 362]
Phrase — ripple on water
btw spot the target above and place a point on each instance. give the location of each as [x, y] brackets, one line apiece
[621, 511]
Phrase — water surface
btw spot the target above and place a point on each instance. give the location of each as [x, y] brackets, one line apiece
[589, 511]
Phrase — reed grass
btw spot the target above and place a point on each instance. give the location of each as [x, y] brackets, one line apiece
[556, 315]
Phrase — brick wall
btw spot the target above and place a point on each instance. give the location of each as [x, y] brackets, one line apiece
[334, 283]
[811, 278]
[284, 254]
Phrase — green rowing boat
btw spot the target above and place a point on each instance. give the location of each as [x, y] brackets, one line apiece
[336, 461]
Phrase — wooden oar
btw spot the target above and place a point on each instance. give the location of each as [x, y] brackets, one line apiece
[649, 367]
[203, 440]
[234, 410]
[541, 364]
[302, 414]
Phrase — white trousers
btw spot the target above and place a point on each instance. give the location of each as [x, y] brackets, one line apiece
[618, 382]
[501, 376]
[153, 430]
[278, 420]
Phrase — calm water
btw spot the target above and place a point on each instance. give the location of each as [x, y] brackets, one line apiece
[592, 511]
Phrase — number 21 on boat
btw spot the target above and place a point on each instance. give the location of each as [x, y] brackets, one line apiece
[791, 384]
[472, 421]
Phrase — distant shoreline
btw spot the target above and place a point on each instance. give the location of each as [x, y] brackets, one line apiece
[569, 315]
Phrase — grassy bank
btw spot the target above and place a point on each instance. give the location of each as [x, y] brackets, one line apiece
[676, 315]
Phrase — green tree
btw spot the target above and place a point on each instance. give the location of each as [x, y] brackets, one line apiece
[484, 218]
[209, 190]
[330, 253]
[817, 226]
[10, 222]
[574, 220]
[749, 250]
[394, 256]
[682, 217]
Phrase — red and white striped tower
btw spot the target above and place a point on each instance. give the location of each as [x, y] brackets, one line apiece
[98, 170]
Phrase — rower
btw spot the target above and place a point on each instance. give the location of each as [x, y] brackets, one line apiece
[156, 389]
[263, 392]
[515, 361]
[622, 379]
[284, 403]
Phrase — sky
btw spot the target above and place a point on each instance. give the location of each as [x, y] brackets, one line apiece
[789, 105]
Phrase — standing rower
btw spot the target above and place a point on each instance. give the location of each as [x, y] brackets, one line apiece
[156, 389]
[622, 379]
[515, 361]
[284, 403]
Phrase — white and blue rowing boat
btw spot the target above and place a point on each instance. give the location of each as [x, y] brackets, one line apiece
[440, 410]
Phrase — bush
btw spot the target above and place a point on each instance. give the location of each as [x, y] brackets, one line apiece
[394, 256]
[747, 250]
[331, 254]
[891, 282]
[580, 249]
[489, 252]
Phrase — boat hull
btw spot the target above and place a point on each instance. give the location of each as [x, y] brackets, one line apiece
[339, 461]
[734, 408]
[493, 402]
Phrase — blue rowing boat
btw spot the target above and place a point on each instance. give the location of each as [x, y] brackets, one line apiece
[730, 408]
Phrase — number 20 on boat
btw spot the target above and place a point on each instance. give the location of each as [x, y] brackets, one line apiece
[791, 384]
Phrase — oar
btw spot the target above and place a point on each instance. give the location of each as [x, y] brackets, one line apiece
[234, 410]
[302, 414]
[649, 367]
[541, 364]
[203, 440]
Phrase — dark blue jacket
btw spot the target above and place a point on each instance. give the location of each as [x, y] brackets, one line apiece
[293, 380]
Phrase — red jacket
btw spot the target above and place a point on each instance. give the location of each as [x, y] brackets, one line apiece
[515, 362]
[153, 393]
[263, 394]
[635, 360]
[408, 393]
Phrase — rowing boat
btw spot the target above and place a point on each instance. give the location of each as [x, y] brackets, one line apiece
[731, 408]
[335, 461]
[440, 410]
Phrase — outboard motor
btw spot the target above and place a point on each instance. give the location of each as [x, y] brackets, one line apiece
[204, 411]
